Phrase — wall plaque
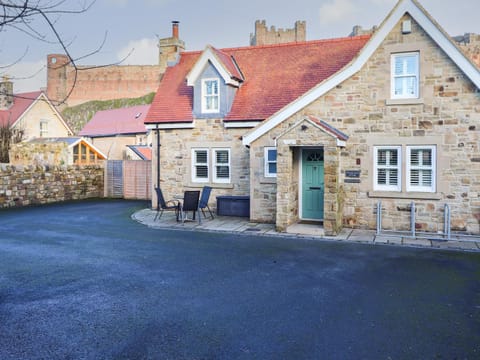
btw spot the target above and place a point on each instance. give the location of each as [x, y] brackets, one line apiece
[352, 173]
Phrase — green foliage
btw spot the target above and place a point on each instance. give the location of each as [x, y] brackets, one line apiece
[77, 116]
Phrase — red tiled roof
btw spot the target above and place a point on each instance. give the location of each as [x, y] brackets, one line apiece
[21, 102]
[228, 62]
[143, 151]
[117, 121]
[274, 76]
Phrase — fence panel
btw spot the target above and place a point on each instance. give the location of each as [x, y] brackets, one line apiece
[114, 179]
[137, 179]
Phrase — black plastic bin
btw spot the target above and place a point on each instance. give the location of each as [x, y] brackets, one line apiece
[228, 205]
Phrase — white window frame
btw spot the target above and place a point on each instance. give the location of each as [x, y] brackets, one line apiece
[195, 164]
[267, 162]
[216, 178]
[398, 167]
[405, 76]
[43, 131]
[420, 167]
[205, 96]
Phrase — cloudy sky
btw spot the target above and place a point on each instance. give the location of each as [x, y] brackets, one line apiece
[132, 27]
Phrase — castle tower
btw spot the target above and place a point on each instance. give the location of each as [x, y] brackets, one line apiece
[57, 65]
[264, 36]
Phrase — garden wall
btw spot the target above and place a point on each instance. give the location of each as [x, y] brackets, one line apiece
[34, 185]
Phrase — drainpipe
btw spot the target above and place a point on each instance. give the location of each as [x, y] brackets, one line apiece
[158, 156]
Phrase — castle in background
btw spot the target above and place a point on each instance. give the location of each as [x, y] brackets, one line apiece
[131, 81]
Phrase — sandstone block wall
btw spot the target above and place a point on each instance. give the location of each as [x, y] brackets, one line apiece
[44, 154]
[35, 185]
[176, 159]
[447, 116]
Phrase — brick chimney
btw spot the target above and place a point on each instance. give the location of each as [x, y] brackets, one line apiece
[6, 93]
[175, 29]
[170, 48]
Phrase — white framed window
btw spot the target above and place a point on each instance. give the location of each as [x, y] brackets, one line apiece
[270, 156]
[200, 169]
[43, 128]
[387, 168]
[405, 75]
[210, 95]
[421, 168]
[221, 165]
[211, 165]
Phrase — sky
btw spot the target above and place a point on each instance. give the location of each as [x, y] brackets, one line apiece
[117, 29]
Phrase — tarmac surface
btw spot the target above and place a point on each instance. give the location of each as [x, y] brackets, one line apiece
[83, 281]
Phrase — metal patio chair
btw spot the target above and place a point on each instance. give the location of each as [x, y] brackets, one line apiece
[163, 205]
[190, 203]
[204, 201]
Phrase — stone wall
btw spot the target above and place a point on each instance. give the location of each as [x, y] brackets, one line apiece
[265, 36]
[98, 83]
[447, 116]
[176, 158]
[26, 153]
[35, 185]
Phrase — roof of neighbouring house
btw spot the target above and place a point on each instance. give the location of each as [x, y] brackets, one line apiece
[21, 102]
[144, 152]
[273, 76]
[117, 122]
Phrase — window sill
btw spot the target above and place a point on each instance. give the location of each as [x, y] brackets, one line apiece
[213, 185]
[403, 195]
[268, 180]
[418, 101]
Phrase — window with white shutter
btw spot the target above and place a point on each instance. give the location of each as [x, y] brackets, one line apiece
[421, 167]
[387, 168]
[221, 165]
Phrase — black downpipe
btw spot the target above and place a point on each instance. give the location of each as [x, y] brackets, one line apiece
[158, 157]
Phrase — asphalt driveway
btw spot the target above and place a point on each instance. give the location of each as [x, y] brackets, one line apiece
[84, 281]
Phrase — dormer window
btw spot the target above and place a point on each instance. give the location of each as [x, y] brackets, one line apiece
[210, 95]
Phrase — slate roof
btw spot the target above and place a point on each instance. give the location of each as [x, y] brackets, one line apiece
[21, 102]
[274, 76]
[117, 122]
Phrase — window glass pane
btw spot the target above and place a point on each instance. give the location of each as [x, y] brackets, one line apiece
[222, 156]
[272, 155]
[201, 156]
[272, 168]
[223, 172]
[411, 85]
[201, 171]
[399, 65]
[411, 65]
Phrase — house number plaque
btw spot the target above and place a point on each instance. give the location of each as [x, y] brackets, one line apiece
[352, 176]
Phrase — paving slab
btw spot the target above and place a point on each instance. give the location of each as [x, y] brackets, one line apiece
[304, 231]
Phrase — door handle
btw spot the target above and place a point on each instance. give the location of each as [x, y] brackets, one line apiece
[315, 188]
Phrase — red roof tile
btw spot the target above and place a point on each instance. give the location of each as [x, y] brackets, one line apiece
[21, 102]
[117, 121]
[274, 76]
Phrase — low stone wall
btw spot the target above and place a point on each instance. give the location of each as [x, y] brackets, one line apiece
[34, 185]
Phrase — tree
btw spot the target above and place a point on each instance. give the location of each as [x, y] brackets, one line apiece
[38, 18]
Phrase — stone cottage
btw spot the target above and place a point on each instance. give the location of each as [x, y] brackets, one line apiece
[393, 119]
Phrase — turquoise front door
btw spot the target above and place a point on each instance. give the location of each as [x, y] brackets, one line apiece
[312, 184]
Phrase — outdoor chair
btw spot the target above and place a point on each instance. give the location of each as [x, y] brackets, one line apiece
[204, 201]
[163, 205]
[190, 203]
